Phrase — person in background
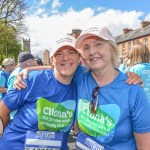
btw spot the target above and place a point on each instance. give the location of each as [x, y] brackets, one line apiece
[46, 108]
[121, 65]
[25, 60]
[8, 65]
[38, 61]
[127, 63]
[110, 113]
[0, 68]
[140, 64]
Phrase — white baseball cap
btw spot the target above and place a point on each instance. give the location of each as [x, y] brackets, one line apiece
[62, 41]
[103, 33]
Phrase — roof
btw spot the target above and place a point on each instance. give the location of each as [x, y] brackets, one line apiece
[133, 34]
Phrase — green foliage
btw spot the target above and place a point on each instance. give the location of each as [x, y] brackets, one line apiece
[9, 45]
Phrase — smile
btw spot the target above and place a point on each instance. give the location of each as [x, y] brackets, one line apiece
[66, 65]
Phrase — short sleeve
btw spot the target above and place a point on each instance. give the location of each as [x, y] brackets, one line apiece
[140, 110]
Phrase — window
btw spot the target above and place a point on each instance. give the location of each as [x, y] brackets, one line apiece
[123, 48]
[146, 41]
[129, 46]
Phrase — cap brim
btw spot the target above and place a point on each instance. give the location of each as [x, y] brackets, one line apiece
[64, 46]
[83, 37]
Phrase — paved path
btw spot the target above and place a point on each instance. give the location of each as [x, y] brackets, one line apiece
[71, 141]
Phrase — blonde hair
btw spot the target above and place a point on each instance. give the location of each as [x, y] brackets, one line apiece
[139, 54]
[8, 61]
[115, 55]
[127, 60]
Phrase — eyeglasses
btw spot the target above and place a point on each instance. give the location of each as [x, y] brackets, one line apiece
[94, 101]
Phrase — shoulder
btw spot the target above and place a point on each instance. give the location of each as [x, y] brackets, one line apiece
[39, 74]
[80, 73]
[15, 72]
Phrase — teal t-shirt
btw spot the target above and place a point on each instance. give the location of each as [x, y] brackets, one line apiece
[143, 70]
[3, 81]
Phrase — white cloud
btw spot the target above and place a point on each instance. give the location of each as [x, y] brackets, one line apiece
[39, 11]
[42, 30]
[147, 17]
[43, 2]
[55, 4]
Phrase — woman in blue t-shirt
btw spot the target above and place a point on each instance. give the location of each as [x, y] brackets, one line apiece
[110, 114]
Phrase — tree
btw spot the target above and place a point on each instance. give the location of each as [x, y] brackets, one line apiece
[12, 13]
[9, 47]
[11, 26]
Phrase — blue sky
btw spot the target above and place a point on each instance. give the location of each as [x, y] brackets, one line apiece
[46, 19]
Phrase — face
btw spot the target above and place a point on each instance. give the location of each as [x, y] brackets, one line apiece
[65, 62]
[30, 62]
[11, 67]
[97, 53]
[35, 63]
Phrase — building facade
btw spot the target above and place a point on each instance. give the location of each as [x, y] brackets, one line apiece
[26, 45]
[130, 37]
[46, 57]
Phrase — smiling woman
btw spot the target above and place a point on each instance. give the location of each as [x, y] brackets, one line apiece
[115, 104]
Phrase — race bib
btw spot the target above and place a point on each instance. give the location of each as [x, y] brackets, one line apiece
[43, 140]
[84, 142]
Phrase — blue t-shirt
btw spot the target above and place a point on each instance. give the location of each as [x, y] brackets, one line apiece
[10, 84]
[45, 105]
[121, 111]
[3, 81]
[143, 70]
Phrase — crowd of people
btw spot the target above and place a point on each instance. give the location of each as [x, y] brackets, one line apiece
[109, 108]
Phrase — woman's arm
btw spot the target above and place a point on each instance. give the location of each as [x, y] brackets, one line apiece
[142, 141]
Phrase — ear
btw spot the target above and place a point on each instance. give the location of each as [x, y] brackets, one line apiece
[51, 60]
[82, 60]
